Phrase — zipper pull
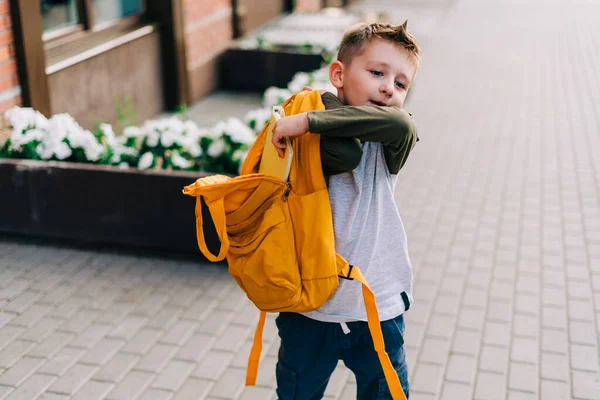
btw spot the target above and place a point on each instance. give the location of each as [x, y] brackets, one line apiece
[286, 193]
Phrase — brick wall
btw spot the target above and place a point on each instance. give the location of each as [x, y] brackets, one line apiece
[10, 91]
[208, 30]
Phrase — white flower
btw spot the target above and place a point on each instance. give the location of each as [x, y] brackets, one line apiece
[51, 148]
[19, 139]
[298, 82]
[63, 125]
[93, 151]
[109, 134]
[119, 150]
[132, 131]
[239, 132]
[62, 151]
[217, 130]
[22, 118]
[239, 155]
[192, 146]
[179, 161]
[260, 116]
[123, 165]
[275, 96]
[173, 123]
[216, 148]
[190, 127]
[169, 137]
[152, 138]
[146, 160]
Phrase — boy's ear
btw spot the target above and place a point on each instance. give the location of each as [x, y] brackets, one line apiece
[336, 74]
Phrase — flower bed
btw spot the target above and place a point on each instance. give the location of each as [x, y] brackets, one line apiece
[169, 143]
[98, 204]
[60, 180]
[274, 53]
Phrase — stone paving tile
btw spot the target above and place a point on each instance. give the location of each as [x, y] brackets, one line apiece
[91, 336]
[131, 386]
[194, 388]
[213, 365]
[52, 344]
[103, 351]
[77, 376]
[114, 370]
[196, 347]
[490, 386]
[173, 375]
[156, 394]
[31, 316]
[14, 352]
[230, 385]
[93, 390]
[5, 390]
[165, 318]
[34, 386]
[554, 390]
[143, 341]
[9, 333]
[20, 371]
[179, 333]
[337, 382]
[53, 396]
[454, 391]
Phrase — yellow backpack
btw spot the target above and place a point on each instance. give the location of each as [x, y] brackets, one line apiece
[278, 255]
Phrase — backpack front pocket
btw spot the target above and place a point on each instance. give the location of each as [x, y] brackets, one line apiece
[262, 256]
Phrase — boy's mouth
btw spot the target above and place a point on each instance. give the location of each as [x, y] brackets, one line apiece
[378, 103]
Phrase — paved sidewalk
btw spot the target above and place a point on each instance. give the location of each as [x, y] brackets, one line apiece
[502, 207]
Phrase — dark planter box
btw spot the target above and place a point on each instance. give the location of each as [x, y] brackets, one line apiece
[99, 205]
[255, 70]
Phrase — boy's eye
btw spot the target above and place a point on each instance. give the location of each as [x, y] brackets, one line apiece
[377, 73]
[400, 85]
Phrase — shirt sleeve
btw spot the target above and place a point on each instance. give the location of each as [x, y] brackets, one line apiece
[391, 126]
[338, 154]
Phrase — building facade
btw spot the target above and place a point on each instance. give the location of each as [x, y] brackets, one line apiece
[91, 58]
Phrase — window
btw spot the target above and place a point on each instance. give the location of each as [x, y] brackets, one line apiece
[110, 10]
[58, 14]
[61, 17]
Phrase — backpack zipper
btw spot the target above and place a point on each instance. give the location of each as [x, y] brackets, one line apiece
[287, 191]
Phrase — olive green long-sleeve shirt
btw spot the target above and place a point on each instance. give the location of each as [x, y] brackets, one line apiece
[342, 128]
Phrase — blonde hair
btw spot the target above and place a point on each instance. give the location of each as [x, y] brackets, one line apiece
[358, 35]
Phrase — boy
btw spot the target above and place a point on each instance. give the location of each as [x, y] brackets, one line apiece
[365, 140]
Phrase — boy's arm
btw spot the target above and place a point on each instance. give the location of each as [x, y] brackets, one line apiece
[391, 126]
[338, 154]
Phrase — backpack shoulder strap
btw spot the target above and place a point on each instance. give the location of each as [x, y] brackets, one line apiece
[254, 358]
[353, 273]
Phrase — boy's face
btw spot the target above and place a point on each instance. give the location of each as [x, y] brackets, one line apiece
[379, 76]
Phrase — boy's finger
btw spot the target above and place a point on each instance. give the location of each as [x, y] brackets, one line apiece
[280, 147]
[279, 144]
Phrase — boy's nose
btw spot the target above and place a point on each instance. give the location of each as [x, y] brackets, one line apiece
[386, 89]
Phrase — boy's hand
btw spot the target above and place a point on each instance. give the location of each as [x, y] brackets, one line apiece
[292, 126]
[311, 89]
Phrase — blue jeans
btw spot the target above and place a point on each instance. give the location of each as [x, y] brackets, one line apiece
[310, 351]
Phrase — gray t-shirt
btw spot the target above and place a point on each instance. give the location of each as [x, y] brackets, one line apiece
[368, 229]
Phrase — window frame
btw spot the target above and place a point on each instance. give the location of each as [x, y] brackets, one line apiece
[32, 52]
[87, 25]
